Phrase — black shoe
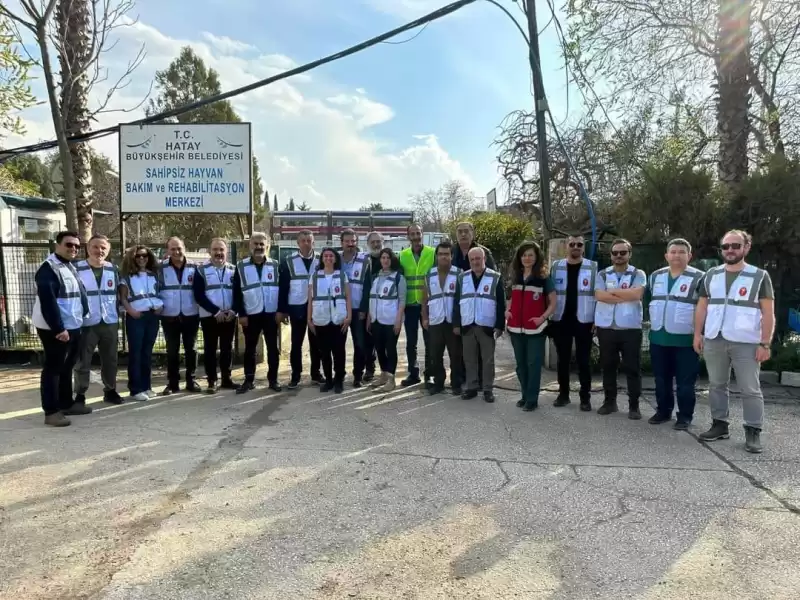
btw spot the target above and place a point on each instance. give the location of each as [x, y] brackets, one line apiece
[530, 407]
[357, 383]
[293, 384]
[80, 399]
[78, 408]
[275, 386]
[169, 390]
[586, 406]
[428, 384]
[752, 440]
[435, 389]
[193, 386]
[246, 387]
[561, 400]
[717, 431]
[317, 378]
[488, 397]
[368, 376]
[681, 426]
[633, 410]
[212, 387]
[520, 402]
[112, 397]
[456, 390]
[607, 408]
[410, 380]
[658, 419]
[228, 384]
[326, 387]
[338, 387]
[469, 394]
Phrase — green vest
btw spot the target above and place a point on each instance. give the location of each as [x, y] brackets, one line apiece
[415, 272]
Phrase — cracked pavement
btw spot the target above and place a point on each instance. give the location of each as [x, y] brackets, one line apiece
[301, 496]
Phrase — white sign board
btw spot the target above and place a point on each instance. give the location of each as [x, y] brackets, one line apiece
[179, 168]
[491, 200]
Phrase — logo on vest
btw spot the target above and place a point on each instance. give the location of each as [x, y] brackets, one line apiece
[385, 290]
[742, 291]
[486, 288]
[269, 276]
[336, 290]
[452, 286]
[536, 295]
[684, 287]
[189, 279]
[624, 286]
[110, 283]
[585, 282]
[355, 274]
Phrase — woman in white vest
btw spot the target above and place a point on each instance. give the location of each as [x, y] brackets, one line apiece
[329, 315]
[387, 302]
[138, 293]
[734, 325]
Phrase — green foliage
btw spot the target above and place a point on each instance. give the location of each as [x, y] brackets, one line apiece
[15, 89]
[32, 174]
[499, 232]
[785, 358]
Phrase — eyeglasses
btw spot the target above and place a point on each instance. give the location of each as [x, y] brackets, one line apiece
[72, 245]
[619, 253]
[142, 256]
[734, 246]
[576, 244]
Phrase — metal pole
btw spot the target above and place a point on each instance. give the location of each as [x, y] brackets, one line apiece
[6, 334]
[541, 122]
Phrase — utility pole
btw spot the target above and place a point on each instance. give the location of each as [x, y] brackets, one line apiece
[541, 123]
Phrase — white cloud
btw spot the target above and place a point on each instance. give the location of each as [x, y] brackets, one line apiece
[305, 129]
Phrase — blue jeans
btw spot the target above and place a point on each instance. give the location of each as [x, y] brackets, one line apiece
[413, 319]
[681, 365]
[142, 334]
[358, 329]
[529, 356]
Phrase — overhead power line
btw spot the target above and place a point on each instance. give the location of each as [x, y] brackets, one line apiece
[99, 133]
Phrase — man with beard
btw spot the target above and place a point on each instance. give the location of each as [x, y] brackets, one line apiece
[375, 244]
[734, 324]
[356, 265]
[255, 300]
[574, 279]
[213, 292]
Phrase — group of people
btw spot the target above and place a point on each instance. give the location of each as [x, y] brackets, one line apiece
[454, 292]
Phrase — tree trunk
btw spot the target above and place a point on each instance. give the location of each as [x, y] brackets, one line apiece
[733, 91]
[74, 31]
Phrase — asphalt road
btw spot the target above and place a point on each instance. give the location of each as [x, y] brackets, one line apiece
[361, 495]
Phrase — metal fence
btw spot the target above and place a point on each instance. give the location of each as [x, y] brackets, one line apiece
[19, 262]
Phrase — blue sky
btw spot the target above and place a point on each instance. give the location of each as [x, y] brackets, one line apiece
[378, 126]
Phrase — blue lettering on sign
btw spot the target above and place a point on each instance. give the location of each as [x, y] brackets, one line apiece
[138, 187]
[183, 202]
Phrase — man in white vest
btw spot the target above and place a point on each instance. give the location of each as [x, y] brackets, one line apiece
[356, 265]
[437, 318]
[618, 319]
[100, 329]
[255, 300]
[734, 325]
[213, 292]
[673, 294]
[293, 303]
[58, 313]
[180, 318]
[574, 279]
[479, 309]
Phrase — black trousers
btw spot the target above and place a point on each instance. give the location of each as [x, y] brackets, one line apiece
[626, 343]
[564, 332]
[440, 337]
[385, 346]
[176, 330]
[258, 325]
[59, 360]
[215, 335]
[299, 328]
[369, 352]
[331, 341]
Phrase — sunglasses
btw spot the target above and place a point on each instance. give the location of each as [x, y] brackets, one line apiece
[576, 244]
[142, 256]
[619, 253]
[734, 246]
[72, 245]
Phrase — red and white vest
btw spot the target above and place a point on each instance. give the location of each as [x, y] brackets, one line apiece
[527, 302]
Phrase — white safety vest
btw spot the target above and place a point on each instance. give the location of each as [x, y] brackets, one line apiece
[298, 278]
[69, 296]
[384, 298]
[143, 291]
[440, 301]
[673, 309]
[103, 301]
[356, 273]
[219, 286]
[479, 306]
[177, 295]
[586, 280]
[625, 315]
[737, 314]
[328, 303]
[260, 294]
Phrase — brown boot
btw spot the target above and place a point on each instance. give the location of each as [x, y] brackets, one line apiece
[57, 420]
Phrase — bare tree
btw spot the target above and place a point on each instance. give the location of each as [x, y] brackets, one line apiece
[436, 208]
[80, 33]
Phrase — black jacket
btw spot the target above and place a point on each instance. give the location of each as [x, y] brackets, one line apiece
[462, 260]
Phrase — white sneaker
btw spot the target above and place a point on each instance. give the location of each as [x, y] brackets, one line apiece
[150, 394]
[141, 397]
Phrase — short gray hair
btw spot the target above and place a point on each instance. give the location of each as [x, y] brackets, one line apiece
[680, 242]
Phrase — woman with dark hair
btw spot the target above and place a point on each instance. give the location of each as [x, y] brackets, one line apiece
[387, 303]
[329, 314]
[138, 293]
[533, 300]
